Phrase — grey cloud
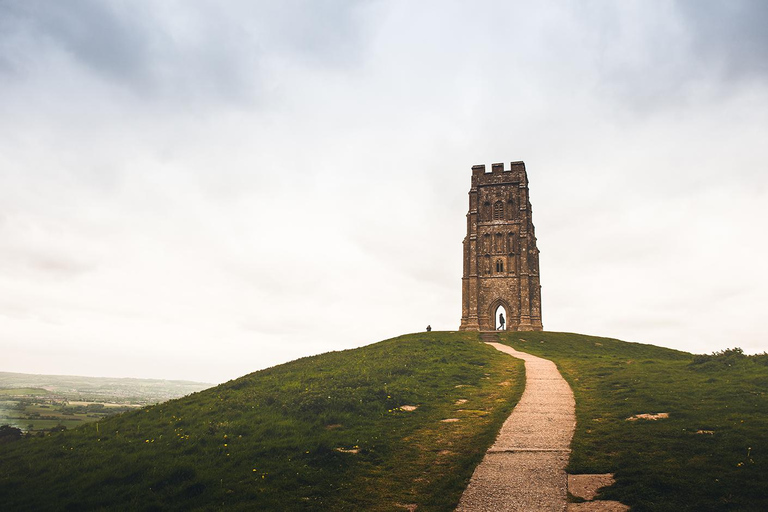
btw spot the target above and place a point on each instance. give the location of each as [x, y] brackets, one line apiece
[729, 37]
[43, 264]
[201, 51]
[132, 48]
[651, 55]
[97, 36]
[331, 32]
[62, 266]
[91, 31]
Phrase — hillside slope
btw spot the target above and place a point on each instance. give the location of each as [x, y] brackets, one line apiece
[328, 432]
[333, 432]
[710, 454]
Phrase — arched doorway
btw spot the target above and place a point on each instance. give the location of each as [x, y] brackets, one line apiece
[499, 313]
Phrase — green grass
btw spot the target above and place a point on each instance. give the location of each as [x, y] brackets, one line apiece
[40, 425]
[672, 464]
[320, 433]
[271, 440]
[24, 392]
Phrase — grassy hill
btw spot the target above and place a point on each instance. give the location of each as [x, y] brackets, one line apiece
[331, 432]
[712, 451]
[335, 432]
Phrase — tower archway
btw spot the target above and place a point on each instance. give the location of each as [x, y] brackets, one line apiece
[501, 318]
[499, 307]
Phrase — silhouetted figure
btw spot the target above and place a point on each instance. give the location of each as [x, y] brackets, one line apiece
[429, 328]
[501, 321]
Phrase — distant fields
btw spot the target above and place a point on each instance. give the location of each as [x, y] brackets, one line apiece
[37, 410]
[338, 432]
[24, 392]
[69, 401]
[99, 389]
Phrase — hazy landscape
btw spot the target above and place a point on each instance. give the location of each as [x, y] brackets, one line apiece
[36, 403]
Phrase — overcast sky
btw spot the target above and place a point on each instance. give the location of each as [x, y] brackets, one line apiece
[198, 189]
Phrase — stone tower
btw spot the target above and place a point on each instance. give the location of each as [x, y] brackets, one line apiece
[501, 261]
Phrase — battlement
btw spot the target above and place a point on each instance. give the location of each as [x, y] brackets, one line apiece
[479, 169]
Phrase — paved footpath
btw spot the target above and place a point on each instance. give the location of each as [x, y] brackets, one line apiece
[524, 470]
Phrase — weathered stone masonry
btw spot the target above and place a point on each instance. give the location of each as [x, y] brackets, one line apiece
[501, 261]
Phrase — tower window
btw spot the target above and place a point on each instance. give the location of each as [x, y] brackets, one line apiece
[486, 213]
[498, 210]
[499, 266]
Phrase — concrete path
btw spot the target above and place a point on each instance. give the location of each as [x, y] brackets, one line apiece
[524, 470]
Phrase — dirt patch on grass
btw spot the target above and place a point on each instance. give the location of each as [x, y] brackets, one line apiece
[586, 487]
[648, 416]
[449, 420]
[408, 408]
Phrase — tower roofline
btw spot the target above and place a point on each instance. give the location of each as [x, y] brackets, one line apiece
[479, 169]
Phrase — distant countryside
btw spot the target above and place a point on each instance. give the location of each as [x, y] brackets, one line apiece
[49, 403]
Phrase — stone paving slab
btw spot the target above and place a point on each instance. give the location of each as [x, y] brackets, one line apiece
[524, 470]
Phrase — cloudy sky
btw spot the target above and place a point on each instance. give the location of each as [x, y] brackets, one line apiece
[198, 189]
